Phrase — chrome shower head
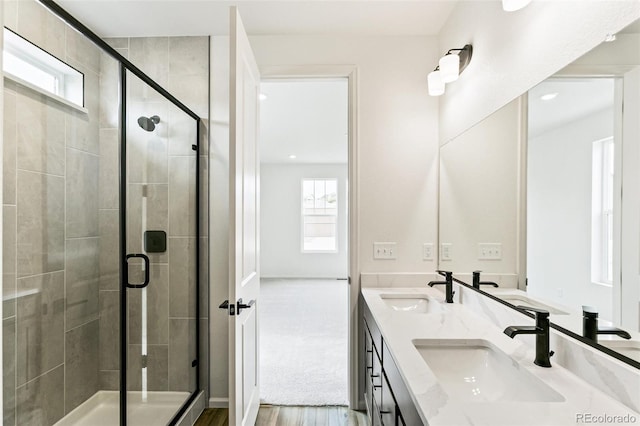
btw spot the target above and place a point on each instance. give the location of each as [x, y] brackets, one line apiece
[148, 123]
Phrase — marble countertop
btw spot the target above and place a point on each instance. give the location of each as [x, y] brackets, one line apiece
[399, 330]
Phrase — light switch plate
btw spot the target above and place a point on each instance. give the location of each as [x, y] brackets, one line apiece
[427, 251]
[384, 251]
[446, 251]
[489, 251]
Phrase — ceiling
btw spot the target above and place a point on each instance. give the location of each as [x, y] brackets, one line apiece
[577, 98]
[305, 118]
[140, 18]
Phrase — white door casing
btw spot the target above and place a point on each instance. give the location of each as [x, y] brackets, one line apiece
[244, 226]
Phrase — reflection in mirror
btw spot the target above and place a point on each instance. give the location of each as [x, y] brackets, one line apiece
[478, 189]
[540, 197]
[583, 194]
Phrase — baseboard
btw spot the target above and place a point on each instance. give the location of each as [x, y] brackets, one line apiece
[218, 402]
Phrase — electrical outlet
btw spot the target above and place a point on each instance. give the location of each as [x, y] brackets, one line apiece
[427, 251]
[489, 251]
[446, 251]
[384, 251]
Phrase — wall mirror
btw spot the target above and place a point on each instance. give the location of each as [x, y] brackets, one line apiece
[543, 196]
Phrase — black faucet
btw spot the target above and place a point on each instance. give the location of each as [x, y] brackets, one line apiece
[590, 328]
[541, 330]
[477, 283]
[448, 282]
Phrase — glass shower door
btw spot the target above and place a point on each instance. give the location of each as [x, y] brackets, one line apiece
[160, 231]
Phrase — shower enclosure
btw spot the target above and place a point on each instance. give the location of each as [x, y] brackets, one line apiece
[101, 250]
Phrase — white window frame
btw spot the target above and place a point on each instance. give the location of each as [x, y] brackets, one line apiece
[20, 56]
[602, 211]
[302, 216]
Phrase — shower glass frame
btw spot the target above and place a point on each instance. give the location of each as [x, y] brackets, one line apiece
[126, 66]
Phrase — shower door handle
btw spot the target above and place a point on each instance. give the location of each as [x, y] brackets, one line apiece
[145, 258]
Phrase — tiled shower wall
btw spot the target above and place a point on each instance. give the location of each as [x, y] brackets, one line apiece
[51, 232]
[60, 221]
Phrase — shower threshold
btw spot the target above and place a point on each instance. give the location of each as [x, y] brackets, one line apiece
[102, 409]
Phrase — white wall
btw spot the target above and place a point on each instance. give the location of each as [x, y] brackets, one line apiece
[479, 192]
[559, 177]
[515, 51]
[281, 222]
[397, 136]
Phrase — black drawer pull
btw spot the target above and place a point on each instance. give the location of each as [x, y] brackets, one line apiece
[374, 375]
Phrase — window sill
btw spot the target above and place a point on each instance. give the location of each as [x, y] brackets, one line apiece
[50, 95]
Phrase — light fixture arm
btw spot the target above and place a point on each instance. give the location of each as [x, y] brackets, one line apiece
[465, 54]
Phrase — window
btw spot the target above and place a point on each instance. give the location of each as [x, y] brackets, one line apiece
[602, 212]
[31, 66]
[319, 215]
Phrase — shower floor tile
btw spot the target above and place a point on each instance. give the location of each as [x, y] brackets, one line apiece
[102, 409]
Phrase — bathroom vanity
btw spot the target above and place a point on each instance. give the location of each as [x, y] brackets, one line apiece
[437, 363]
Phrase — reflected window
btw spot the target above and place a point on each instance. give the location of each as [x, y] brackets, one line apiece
[319, 215]
[602, 212]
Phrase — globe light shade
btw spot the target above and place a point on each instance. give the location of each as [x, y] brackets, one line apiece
[449, 67]
[513, 5]
[435, 83]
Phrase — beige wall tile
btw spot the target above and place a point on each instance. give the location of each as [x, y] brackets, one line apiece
[81, 364]
[9, 261]
[109, 175]
[182, 347]
[40, 133]
[42, 28]
[82, 194]
[9, 148]
[109, 250]
[182, 217]
[109, 358]
[40, 325]
[9, 371]
[182, 277]
[40, 224]
[82, 281]
[41, 401]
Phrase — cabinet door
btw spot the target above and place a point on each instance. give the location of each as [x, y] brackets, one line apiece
[376, 379]
[388, 406]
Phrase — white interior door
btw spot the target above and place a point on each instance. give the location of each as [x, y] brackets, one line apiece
[244, 248]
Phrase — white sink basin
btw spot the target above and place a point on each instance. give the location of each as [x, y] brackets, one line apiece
[412, 303]
[475, 370]
[517, 299]
[629, 349]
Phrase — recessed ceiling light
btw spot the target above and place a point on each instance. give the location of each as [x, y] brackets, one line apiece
[609, 38]
[263, 96]
[549, 96]
[292, 156]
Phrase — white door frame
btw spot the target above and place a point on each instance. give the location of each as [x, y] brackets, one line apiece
[349, 72]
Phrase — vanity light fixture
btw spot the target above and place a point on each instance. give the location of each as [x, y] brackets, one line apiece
[262, 97]
[292, 156]
[609, 38]
[449, 69]
[513, 5]
[548, 96]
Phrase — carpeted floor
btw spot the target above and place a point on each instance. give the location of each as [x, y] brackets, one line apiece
[303, 342]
